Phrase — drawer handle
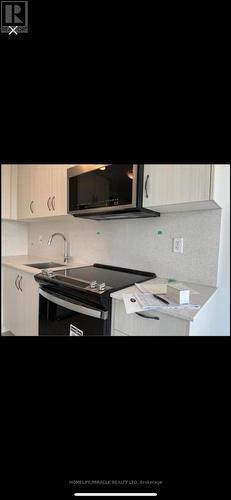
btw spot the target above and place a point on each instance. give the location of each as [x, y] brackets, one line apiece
[48, 203]
[53, 202]
[31, 209]
[146, 186]
[19, 284]
[16, 282]
[148, 317]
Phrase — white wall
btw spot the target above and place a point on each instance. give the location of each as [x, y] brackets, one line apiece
[222, 311]
[137, 244]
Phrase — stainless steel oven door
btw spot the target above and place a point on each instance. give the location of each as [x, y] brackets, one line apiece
[62, 316]
[76, 193]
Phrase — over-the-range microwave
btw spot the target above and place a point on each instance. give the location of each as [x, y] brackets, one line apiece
[112, 191]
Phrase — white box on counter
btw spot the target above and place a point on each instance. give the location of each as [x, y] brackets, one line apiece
[178, 294]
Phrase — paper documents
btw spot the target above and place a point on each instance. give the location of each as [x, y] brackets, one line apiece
[139, 302]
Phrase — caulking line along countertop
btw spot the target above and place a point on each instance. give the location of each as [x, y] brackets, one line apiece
[202, 294]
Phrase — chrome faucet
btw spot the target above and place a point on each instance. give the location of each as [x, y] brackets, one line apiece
[66, 258]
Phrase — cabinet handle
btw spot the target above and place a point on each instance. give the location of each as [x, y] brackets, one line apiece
[32, 211]
[48, 203]
[53, 202]
[146, 185]
[148, 317]
[16, 282]
[19, 284]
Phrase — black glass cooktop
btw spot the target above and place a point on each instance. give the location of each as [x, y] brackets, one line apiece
[113, 277]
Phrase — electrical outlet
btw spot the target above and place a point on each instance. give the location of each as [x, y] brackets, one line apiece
[178, 245]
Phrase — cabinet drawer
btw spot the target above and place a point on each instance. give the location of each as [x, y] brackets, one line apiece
[132, 324]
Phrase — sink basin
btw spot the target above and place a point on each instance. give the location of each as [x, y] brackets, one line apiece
[45, 265]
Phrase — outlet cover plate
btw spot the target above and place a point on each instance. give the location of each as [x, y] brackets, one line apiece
[178, 245]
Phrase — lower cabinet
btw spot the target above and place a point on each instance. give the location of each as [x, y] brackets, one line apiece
[20, 302]
[149, 324]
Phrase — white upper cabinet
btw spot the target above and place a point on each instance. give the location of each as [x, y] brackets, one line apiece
[9, 191]
[42, 177]
[28, 203]
[51, 189]
[42, 191]
[59, 189]
[179, 187]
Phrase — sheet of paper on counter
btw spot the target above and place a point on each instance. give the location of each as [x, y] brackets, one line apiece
[135, 303]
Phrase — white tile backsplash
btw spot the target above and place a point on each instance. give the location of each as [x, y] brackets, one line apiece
[14, 238]
[137, 244]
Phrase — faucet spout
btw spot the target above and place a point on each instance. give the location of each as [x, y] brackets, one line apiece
[66, 257]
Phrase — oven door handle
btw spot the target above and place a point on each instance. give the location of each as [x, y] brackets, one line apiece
[87, 311]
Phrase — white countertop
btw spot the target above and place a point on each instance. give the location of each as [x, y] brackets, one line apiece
[19, 261]
[203, 295]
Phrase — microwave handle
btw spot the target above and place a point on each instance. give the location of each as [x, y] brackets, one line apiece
[87, 311]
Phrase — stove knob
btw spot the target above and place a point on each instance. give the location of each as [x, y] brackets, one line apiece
[48, 273]
[102, 287]
[93, 284]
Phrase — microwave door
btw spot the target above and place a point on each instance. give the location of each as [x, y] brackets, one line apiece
[110, 188]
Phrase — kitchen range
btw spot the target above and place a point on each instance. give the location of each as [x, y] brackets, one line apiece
[76, 302]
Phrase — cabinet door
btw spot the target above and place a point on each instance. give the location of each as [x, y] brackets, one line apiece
[6, 191]
[28, 303]
[42, 180]
[26, 202]
[42, 190]
[10, 298]
[174, 184]
[20, 305]
[59, 186]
